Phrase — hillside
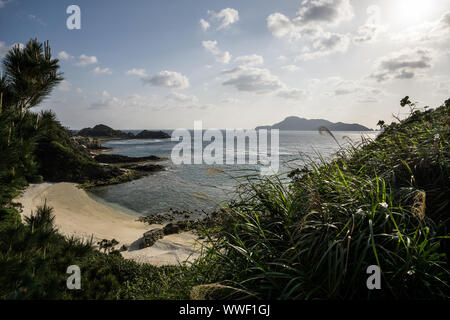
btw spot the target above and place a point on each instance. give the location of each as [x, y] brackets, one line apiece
[302, 124]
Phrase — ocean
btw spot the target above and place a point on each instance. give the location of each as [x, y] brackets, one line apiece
[202, 187]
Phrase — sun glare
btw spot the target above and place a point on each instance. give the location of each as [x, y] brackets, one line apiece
[411, 11]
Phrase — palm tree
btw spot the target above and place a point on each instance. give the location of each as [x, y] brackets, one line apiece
[29, 76]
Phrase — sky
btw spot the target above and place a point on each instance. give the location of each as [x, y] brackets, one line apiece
[156, 64]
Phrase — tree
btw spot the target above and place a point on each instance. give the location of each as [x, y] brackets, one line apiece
[29, 76]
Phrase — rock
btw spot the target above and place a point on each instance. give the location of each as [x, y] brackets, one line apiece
[156, 218]
[87, 143]
[146, 167]
[124, 247]
[116, 158]
[171, 228]
[150, 237]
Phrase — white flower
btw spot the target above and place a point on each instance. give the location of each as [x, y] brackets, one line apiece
[384, 204]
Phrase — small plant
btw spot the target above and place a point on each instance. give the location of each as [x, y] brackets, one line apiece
[107, 245]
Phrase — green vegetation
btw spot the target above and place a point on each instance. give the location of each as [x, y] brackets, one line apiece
[33, 256]
[313, 235]
[308, 235]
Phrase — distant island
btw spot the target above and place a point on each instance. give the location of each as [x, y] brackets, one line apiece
[103, 131]
[302, 124]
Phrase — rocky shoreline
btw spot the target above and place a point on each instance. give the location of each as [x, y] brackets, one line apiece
[122, 168]
[172, 225]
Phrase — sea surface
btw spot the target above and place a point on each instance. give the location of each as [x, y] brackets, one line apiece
[202, 187]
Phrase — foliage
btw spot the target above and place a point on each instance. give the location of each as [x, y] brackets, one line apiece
[384, 202]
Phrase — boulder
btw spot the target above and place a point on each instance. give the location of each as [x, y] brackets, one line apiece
[150, 237]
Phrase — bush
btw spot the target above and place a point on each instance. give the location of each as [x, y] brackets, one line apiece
[383, 202]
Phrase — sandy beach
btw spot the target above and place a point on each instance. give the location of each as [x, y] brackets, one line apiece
[77, 214]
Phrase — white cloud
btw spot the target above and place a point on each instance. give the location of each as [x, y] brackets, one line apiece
[4, 48]
[324, 44]
[85, 60]
[290, 68]
[436, 31]
[99, 70]
[35, 18]
[211, 46]
[224, 18]
[282, 27]
[292, 93]
[403, 64]
[137, 72]
[258, 80]
[310, 17]
[245, 78]
[64, 86]
[63, 55]
[168, 79]
[182, 98]
[250, 60]
[204, 24]
[106, 100]
[370, 31]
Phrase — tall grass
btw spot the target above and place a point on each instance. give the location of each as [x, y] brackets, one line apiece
[312, 236]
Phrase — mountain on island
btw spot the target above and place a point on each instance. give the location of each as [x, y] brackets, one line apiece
[302, 124]
[103, 131]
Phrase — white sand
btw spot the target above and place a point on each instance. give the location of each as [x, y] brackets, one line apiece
[76, 213]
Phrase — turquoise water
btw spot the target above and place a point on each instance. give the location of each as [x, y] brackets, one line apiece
[195, 188]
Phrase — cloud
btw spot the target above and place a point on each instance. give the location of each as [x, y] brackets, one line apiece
[137, 72]
[204, 24]
[223, 19]
[250, 60]
[168, 79]
[64, 86]
[324, 44]
[106, 100]
[330, 12]
[292, 93]
[63, 55]
[99, 70]
[339, 88]
[281, 27]
[402, 65]
[245, 78]
[436, 31]
[290, 68]
[32, 17]
[4, 48]
[312, 15]
[211, 46]
[258, 80]
[85, 60]
[182, 98]
[4, 3]
[370, 31]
